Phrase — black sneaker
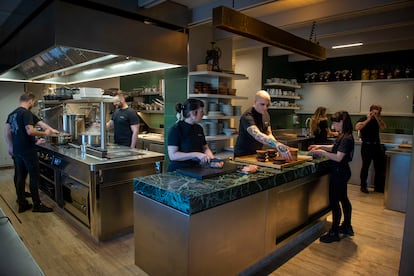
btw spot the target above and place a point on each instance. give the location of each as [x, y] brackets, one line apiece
[24, 207]
[41, 209]
[346, 230]
[330, 237]
[364, 190]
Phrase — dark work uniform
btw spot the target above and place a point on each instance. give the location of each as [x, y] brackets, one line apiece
[340, 174]
[123, 119]
[24, 154]
[371, 149]
[188, 138]
[321, 133]
[246, 144]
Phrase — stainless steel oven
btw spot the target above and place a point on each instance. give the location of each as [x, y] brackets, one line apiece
[76, 199]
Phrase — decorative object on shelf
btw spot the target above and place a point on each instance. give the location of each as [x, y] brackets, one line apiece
[213, 57]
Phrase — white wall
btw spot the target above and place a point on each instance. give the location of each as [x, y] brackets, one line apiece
[9, 94]
[248, 62]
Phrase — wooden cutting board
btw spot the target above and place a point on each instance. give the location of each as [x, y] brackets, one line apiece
[251, 159]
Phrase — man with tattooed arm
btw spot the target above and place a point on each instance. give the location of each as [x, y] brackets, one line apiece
[255, 129]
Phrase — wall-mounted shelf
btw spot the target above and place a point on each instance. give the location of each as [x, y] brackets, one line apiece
[286, 97]
[218, 74]
[217, 96]
[280, 84]
[152, 111]
[285, 107]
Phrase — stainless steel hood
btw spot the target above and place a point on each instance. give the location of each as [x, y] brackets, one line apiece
[64, 40]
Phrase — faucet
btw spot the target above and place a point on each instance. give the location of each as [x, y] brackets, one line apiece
[307, 126]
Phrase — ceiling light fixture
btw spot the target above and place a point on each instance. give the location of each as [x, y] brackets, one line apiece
[93, 71]
[347, 45]
[123, 64]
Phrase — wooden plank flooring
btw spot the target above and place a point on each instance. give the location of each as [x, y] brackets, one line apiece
[61, 249]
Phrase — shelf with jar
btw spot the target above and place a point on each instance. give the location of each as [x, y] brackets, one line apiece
[215, 90]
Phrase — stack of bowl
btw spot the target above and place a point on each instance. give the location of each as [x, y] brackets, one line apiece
[261, 155]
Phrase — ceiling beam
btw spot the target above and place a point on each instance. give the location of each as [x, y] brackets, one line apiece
[235, 22]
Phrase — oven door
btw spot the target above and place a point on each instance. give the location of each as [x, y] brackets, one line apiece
[76, 199]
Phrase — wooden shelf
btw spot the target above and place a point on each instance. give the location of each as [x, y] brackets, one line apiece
[152, 111]
[218, 74]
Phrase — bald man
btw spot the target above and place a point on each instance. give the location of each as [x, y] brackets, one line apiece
[255, 129]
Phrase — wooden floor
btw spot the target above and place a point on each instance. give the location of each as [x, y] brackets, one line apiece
[61, 249]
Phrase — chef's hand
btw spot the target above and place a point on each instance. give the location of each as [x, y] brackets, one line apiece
[284, 151]
[204, 158]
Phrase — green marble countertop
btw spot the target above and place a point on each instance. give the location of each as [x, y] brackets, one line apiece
[190, 195]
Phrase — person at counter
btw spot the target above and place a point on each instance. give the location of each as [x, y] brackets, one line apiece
[187, 145]
[340, 154]
[319, 127]
[369, 128]
[125, 123]
[20, 133]
[255, 129]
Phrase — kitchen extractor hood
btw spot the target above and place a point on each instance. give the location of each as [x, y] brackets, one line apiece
[68, 44]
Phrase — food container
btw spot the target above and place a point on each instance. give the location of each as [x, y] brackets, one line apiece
[91, 139]
[60, 139]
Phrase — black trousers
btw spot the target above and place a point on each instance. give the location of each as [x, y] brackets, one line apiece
[338, 196]
[24, 165]
[375, 153]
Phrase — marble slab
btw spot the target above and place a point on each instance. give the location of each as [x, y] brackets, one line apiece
[190, 195]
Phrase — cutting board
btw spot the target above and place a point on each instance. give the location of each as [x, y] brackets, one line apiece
[251, 159]
[203, 173]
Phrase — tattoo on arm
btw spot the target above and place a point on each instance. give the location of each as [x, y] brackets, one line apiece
[261, 137]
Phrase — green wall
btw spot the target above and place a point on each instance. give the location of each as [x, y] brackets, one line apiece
[175, 91]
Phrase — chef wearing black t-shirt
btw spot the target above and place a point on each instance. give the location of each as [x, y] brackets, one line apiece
[187, 145]
[255, 130]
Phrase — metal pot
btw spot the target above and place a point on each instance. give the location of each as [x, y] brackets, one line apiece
[73, 124]
[91, 139]
[60, 139]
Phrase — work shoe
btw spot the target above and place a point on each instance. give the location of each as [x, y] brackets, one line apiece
[41, 209]
[24, 207]
[364, 190]
[346, 230]
[331, 236]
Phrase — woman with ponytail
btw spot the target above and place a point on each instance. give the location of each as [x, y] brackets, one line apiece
[187, 145]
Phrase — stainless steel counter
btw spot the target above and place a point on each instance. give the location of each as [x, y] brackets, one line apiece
[396, 184]
[96, 192]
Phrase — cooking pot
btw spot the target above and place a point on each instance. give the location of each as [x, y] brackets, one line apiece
[74, 124]
[60, 138]
[91, 139]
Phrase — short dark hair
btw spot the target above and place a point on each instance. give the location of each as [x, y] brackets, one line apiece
[27, 97]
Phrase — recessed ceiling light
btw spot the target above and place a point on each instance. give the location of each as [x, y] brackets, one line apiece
[347, 45]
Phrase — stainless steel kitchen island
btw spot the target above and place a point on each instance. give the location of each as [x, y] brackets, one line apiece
[96, 192]
[224, 225]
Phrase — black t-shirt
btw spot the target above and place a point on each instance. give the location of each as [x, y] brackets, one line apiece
[188, 138]
[23, 144]
[370, 132]
[246, 144]
[123, 119]
[344, 143]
